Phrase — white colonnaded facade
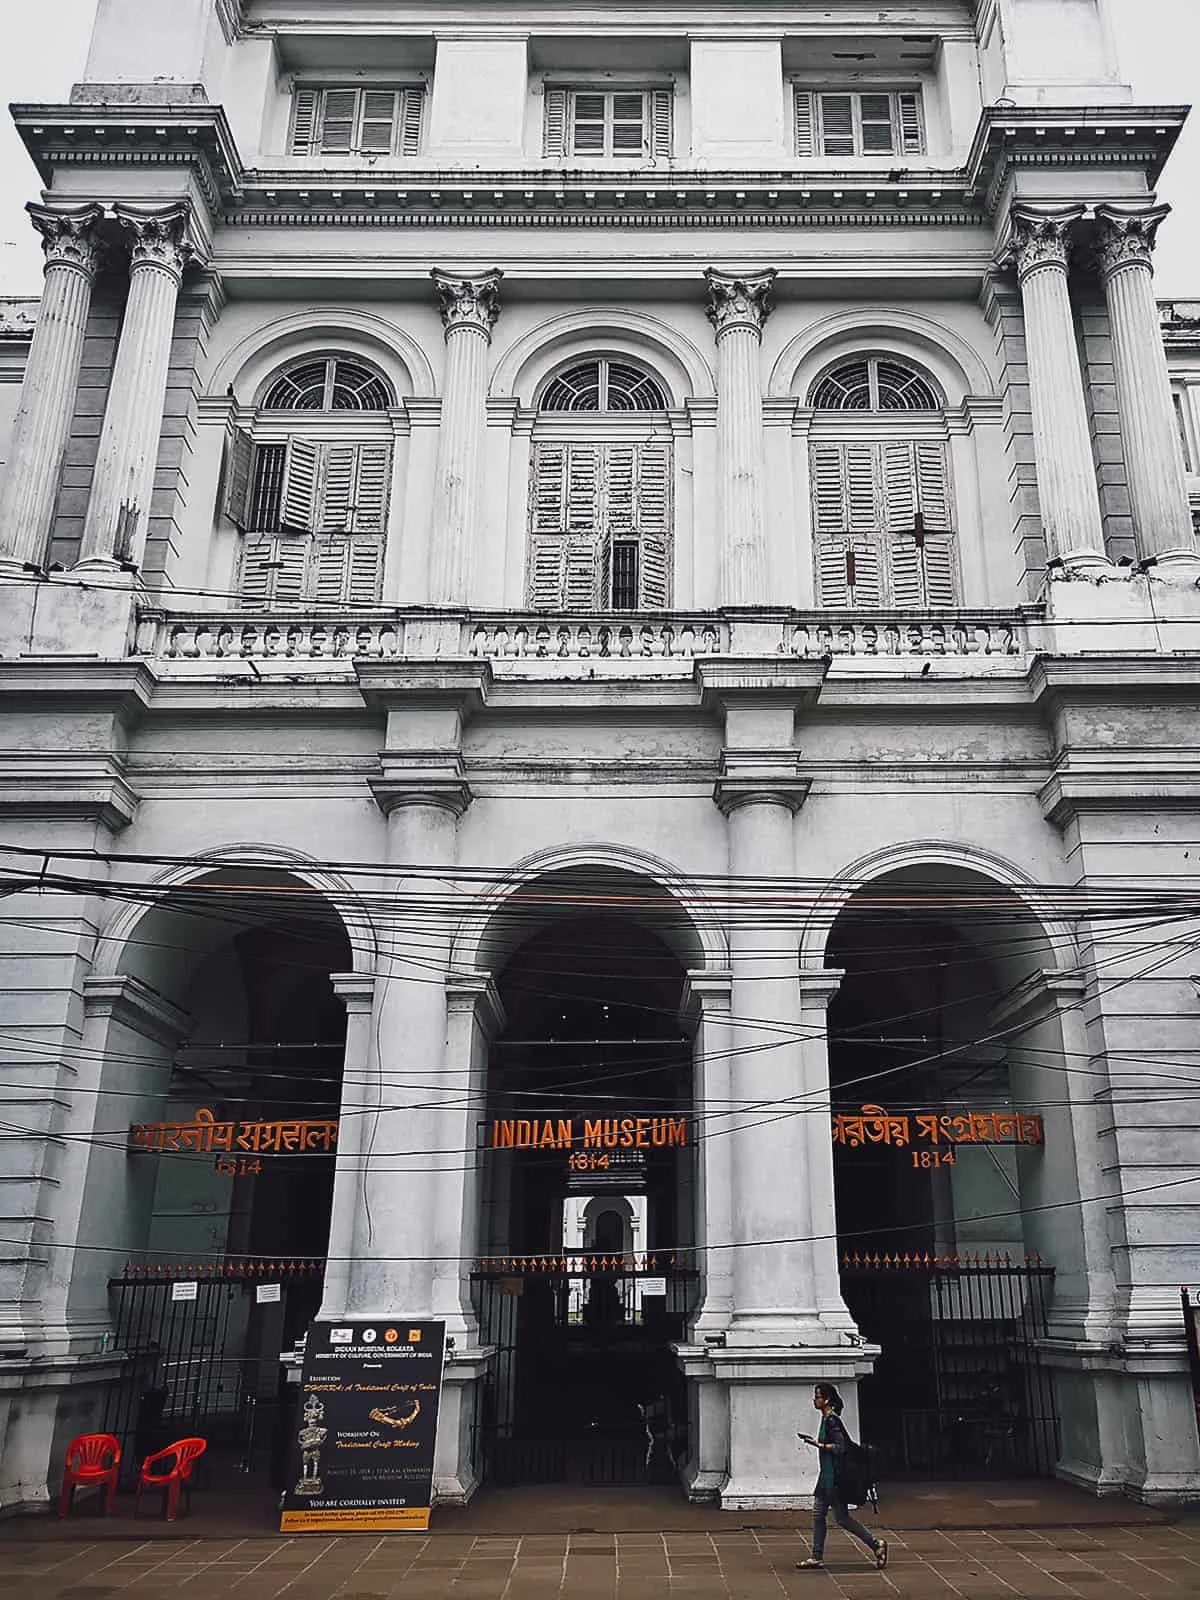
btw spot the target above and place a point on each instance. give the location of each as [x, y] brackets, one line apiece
[600, 653]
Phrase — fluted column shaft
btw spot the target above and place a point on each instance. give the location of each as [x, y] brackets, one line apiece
[1153, 452]
[738, 309]
[469, 307]
[119, 509]
[1068, 491]
[43, 420]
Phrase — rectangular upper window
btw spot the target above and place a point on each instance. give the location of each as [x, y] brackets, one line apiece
[600, 124]
[866, 122]
[357, 122]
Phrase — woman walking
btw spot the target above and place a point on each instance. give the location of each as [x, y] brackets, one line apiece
[832, 1441]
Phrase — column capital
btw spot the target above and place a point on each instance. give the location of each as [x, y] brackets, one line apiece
[435, 779]
[818, 985]
[69, 237]
[356, 991]
[739, 301]
[1041, 236]
[1125, 237]
[760, 778]
[159, 238]
[469, 301]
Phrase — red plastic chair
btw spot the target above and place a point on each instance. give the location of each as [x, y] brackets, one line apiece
[182, 1455]
[91, 1458]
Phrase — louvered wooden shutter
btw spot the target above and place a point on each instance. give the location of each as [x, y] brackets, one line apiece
[941, 570]
[933, 484]
[412, 111]
[585, 474]
[861, 468]
[900, 486]
[907, 572]
[554, 128]
[379, 117]
[806, 124]
[830, 516]
[274, 571]
[654, 523]
[298, 502]
[548, 524]
[837, 125]
[620, 490]
[346, 571]
[330, 563]
[365, 576]
[849, 572]
[588, 122]
[372, 488]
[336, 503]
[662, 124]
[305, 107]
[239, 474]
[912, 125]
[339, 113]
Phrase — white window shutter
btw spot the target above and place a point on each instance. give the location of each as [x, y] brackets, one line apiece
[837, 125]
[907, 573]
[547, 571]
[583, 489]
[862, 488]
[274, 571]
[865, 569]
[806, 123]
[941, 570]
[662, 124]
[338, 482]
[933, 484]
[330, 560]
[654, 523]
[582, 575]
[372, 489]
[339, 114]
[589, 123]
[239, 475]
[833, 584]
[412, 112]
[364, 577]
[900, 486]
[620, 490]
[379, 118]
[298, 501]
[554, 127]
[830, 516]
[256, 582]
[305, 108]
[912, 125]
[548, 489]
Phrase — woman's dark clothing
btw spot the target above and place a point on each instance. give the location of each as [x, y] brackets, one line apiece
[827, 1496]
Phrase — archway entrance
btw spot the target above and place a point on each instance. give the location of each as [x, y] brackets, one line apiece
[939, 1148]
[219, 1214]
[588, 1209]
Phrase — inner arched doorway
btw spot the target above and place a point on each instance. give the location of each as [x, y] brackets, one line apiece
[223, 1056]
[948, 1083]
[588, 1204]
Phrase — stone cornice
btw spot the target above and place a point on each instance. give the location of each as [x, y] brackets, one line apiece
[132, 1001]
[1128, 786]
[1012, 137]
[197, 137]
[760, 777]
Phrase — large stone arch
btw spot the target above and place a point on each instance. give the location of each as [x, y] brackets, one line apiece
[959, 370]
[937, 858]
[124, 947]
[489, 933]
[523, 368]
[323, 330]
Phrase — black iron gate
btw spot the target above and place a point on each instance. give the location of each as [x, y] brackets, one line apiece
[960, 1388]
[583, 1387]
[202, 1349]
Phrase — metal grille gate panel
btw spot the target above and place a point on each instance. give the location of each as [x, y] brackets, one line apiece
[960, 1388]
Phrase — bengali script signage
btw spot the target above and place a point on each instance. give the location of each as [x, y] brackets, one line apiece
[589, 1133]
[204, 1134]
[365, 1428]
[872, 1125]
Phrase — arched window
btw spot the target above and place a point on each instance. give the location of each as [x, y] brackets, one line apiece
[309, 483]
[883, 514]
[330, 385]
[601, 491]
[604, 386]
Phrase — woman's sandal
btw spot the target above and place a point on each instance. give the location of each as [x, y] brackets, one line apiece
[809, 1565]
[881, 1554]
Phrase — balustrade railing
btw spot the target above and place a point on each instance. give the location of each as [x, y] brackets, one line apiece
[632, 643]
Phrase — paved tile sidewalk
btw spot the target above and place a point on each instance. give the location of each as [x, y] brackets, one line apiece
[1140, 1562]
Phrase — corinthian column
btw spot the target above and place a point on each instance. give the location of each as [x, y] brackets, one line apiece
[1066, 471]
[43, 418]
[470, 306]
[119, 508]
[1153, 453]
[738, 308]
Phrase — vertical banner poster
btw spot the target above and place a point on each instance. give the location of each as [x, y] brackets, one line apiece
[1191, 1322]
[361, 1460]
